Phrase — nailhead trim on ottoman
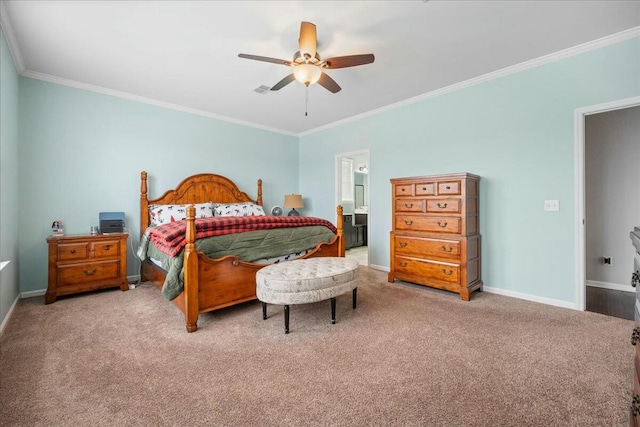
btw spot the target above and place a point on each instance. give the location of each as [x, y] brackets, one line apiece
[305, 281]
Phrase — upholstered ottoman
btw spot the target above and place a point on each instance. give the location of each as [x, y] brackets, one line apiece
[304, 281]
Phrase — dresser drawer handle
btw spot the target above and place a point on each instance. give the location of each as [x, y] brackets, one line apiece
[402, 244]
[635, 278]
[444, 248]
[448, 187]
[107, 247]
[408, 205]
[445, 272]
[443, 206]
[408, 222]
[402, 264]
[90, 273]
[442, 225]
[402, 189]
[73, 251]
[635, 405]
[635, 336]
[424, 188]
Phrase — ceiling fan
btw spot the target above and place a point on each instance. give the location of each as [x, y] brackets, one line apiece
[308, 66]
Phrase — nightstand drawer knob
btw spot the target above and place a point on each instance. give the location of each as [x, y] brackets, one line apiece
[635, 278]
[90, 273]
[444, 248]
[442, 225]
[444, 205]
[635, 336]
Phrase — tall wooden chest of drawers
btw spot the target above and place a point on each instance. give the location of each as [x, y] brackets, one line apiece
[435, 239]
[81, 263]
[635, 335]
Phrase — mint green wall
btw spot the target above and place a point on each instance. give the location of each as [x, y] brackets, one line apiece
[82, 152]
[516, 132]
[8, 178]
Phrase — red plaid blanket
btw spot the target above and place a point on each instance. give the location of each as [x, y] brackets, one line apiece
[171, 238]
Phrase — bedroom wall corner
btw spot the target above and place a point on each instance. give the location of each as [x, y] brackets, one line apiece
[9, 284]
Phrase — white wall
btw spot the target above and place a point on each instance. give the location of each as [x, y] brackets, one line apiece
[612, 193]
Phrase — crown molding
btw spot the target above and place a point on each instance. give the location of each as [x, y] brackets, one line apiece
[125, 95]
[9, 35]
[546, 59]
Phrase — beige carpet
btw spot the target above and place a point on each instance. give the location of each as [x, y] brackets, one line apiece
[408, 355]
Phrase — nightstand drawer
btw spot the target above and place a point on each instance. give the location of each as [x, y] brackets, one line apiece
[107, 248]
[71, 251]
[74, 274]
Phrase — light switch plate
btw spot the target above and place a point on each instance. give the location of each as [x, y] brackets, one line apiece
[552, 205]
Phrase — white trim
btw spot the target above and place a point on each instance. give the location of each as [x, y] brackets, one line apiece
[611, 286]
[562, 54]
[579, 188]
[145, 100]
[9, 34]
[9, 313]
[3, 264]
[31, 294]
[529, 297]
[380, 267]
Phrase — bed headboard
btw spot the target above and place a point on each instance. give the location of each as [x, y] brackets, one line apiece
[201, 188]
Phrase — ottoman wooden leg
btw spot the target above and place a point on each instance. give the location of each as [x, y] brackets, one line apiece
[264, 311]
[286, 319]
[355, 297]
[333, 311]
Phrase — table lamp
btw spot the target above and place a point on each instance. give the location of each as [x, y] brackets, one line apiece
[293, 201]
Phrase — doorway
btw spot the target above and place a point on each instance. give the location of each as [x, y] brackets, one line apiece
[600, 287]
[353, 193]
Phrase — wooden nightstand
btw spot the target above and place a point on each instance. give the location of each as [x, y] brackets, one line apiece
[85, 262]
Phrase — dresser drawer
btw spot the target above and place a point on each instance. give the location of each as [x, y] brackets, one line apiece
[73, 251]
[426, 248]
[410, 205]
[434, 224]
[440, 271]
[74, 274]
[443, 205]
[425, 189]
[449, 187]
[404, 190]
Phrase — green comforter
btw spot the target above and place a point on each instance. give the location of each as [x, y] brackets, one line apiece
[249, 246]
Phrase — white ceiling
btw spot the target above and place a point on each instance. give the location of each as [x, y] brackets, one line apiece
[185, 53]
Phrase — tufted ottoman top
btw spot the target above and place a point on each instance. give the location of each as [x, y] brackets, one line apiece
[306, 280]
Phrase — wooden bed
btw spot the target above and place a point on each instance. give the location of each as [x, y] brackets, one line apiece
[211, 284]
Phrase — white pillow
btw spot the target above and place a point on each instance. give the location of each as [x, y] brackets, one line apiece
[238, 209]
[163, 214]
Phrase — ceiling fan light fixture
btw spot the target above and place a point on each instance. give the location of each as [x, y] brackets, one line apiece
[307, 74]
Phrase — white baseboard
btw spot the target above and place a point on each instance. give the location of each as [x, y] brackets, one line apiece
[529, 297]
[612, 286]
[379, 267]
[8, 316]
[31, 294]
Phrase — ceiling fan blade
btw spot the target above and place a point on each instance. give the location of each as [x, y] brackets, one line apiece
[308, 40]
[282, 83]
[349, 61]
[264, 59]
[328, 83]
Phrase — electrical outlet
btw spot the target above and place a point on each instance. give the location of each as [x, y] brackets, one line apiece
[551, 205]
[606, 260]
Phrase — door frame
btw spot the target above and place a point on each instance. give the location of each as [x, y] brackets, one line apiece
[579, 191]
[338, 184]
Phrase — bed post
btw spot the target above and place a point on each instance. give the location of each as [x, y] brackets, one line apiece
[259, 192]
[339, 226]
[191, 304]
[144, 203]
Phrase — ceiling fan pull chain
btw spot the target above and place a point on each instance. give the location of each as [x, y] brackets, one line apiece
[306, 100]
